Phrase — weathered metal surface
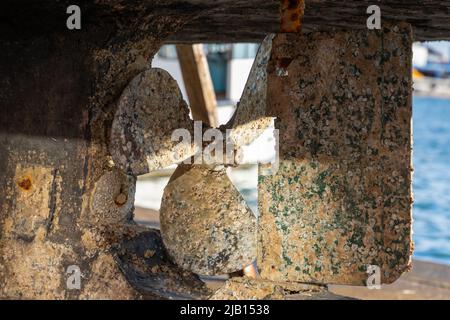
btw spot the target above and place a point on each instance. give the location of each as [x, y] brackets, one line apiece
[32, 196]
[112, 199]
[150, 109]
[58, 97]
[259, 289]
[147, 266]
[249, 119]
[341, 199]
[206, 225]
[217, 236]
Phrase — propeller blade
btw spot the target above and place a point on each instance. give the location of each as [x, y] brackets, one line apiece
[206, 225]
[150, 109]
[250, 118]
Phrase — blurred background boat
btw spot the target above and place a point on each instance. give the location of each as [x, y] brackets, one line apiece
[431, 72]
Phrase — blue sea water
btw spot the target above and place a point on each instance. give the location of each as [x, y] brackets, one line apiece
[431, 183]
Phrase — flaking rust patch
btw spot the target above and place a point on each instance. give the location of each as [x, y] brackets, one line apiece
[341, 199]
[292, 12]
[32, 208]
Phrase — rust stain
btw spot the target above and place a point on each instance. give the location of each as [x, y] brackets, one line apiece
[25, 183]
[121, 199]
[291, 15]
[283, 63]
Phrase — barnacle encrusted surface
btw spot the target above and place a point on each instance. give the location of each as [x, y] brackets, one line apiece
[150, 109]
[250, 120]
[341, 199]
[112, 199]
[205, 223]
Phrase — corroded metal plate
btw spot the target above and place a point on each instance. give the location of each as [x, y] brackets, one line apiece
[341, 199]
